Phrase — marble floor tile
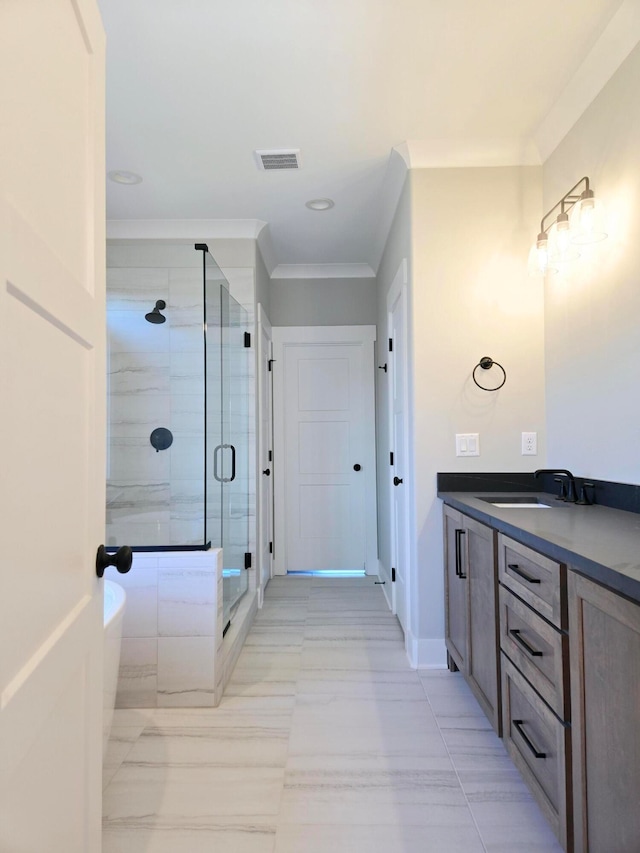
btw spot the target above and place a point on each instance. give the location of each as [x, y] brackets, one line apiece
[395, 686]
[247, 743]
[121, 741]
[244, 838]
[419, 797]
[177, 793]
[343, 838]
[325, 741]
[514, 827]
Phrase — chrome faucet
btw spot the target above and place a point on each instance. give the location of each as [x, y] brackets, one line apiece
[570, 496]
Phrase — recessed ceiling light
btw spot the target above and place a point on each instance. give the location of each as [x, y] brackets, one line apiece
[320, 203]
[121, 177]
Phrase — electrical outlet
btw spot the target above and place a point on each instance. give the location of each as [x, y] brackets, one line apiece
[468, 444]
[529, 443]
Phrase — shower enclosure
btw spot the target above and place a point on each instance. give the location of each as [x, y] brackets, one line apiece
[178, 407]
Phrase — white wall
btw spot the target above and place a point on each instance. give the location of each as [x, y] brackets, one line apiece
[592, 314]
[471, 297]
[323, 302]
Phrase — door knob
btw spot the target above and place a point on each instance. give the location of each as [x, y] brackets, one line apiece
[267, 472]
[357, 467]
[397, 481]
[122, 560]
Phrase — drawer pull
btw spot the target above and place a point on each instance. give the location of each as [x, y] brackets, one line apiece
[518, 724]
[518, 571]
[460, 532]
[515, 633]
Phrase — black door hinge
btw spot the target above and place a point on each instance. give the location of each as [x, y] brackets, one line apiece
[271, 456]
[270, 363]
[393, 575]
[271, 547]
[390, 344]
[247, 560]
[391, 458]
[247, 340]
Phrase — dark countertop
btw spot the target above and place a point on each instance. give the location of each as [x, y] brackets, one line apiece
[598, 542]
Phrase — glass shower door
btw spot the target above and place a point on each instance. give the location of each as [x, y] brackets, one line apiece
[235, 443]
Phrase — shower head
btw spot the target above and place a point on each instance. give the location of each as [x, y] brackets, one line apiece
[155, 316]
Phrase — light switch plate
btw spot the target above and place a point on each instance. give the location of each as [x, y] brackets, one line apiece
[529, 443]
[468, 444]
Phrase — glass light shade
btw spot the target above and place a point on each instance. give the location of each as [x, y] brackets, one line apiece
[587, 220]
[561, 247]
[539, 257]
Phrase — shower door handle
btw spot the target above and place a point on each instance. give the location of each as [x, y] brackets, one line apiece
[215, 463]
[233, 464]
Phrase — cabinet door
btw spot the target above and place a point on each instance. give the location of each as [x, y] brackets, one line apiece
[455, 581]
[483, 633]
[604, 631]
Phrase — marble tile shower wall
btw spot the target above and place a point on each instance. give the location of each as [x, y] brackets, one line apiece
[155, 379]
[171, 653]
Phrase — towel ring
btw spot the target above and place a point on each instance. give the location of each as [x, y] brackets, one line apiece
[486, 363]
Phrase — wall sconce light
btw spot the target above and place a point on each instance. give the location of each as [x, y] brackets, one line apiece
[579, 222]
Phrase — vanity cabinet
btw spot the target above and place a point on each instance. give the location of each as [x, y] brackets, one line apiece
[471, 625]
[534, 646]
[605, 697]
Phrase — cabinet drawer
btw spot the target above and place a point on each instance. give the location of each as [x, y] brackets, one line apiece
[537, 742]
[538, 580]
[537, 649]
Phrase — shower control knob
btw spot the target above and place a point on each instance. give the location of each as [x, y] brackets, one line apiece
[267, 472]
[397, 481]
[357, 467]
[122, 560]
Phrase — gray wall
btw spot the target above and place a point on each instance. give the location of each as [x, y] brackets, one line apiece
[592, 313]
[323, 302]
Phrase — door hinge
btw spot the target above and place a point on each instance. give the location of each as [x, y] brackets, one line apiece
[247, 340]
[391, 458]
[393, 575]
[247, 560]
[271, 547]
[270, 363]
[390, 344]
[271, 456]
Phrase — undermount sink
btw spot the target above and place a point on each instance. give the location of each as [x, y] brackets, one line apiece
[520, 502]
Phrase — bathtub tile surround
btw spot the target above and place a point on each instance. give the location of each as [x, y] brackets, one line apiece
[172, 651]
[325, 740]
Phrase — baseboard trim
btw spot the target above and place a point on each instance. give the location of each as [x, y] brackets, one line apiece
[425, 654]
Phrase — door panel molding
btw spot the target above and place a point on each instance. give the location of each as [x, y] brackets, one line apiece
[316, 338]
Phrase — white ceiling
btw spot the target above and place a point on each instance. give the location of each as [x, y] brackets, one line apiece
[193, 87]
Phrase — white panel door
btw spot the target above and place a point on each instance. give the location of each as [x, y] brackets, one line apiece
[52, 429]
[398, 480]
[265, 451]
[327, 462]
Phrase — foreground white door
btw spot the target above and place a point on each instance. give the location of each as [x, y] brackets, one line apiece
[325, 449]
[399, 471]
[265, 452]
[52, 330]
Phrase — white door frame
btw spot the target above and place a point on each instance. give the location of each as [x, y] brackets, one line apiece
[265, 444]
[399, 290]
[296, 335]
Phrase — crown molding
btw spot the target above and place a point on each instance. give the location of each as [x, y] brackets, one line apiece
[322, 271]
[614, 45]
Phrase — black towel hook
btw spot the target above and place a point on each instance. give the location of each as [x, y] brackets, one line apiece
[487, 363]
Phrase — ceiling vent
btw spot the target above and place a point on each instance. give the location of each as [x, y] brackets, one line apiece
[278, 159]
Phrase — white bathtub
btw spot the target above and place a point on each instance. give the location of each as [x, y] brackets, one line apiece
[114, 601]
